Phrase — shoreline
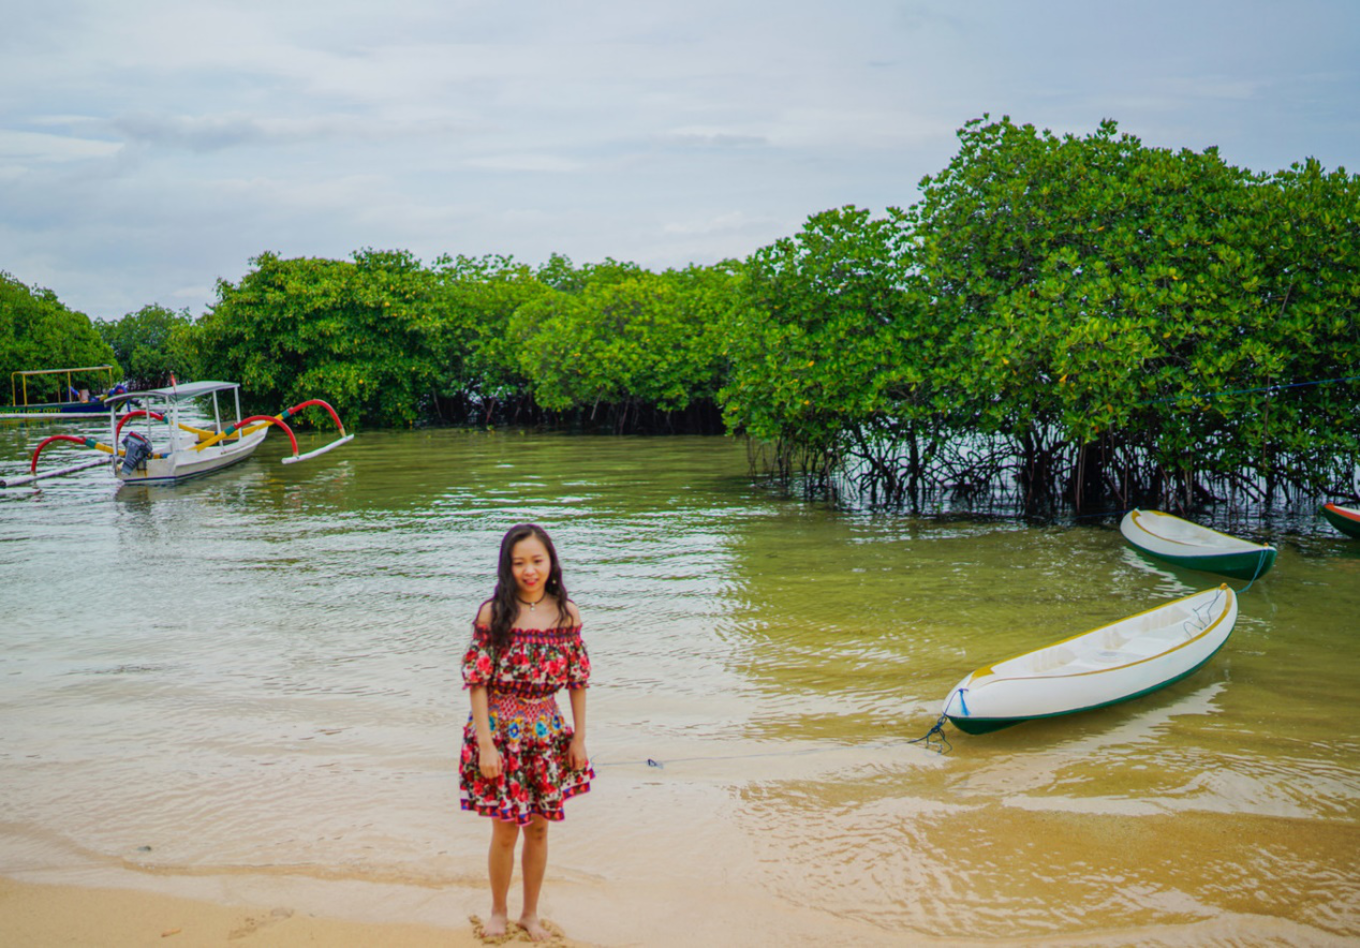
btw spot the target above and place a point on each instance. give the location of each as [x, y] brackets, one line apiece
[107, 908]
[122, 906]
[110, 915]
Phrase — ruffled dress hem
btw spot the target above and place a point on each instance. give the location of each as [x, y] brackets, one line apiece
[524, 818]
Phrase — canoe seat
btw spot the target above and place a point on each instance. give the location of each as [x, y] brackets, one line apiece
[1110, 657]
[1149, 645]
[1048, 659]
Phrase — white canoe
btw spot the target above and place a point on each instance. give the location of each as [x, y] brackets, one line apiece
[1104, 666]
[1188, 544]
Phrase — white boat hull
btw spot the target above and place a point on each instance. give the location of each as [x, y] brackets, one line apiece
[1192, 546]
[185, 462]
[1105, 666]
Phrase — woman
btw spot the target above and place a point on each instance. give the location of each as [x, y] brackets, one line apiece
[520, 760]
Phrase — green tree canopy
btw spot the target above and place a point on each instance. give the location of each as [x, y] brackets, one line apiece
[827, 350]
[626, 337]
[150, 345]
[1101, 293]
[38, 332]
[358, 334]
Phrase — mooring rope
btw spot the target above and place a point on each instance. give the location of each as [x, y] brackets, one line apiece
[1249, 391]
[1260, 562]
[934, 739]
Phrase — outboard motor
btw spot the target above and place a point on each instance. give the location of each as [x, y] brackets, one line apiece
[137, 449]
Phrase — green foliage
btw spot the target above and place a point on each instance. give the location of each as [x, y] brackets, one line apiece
[360, 334]
[826, 349]
[38, 332]
[151, 344]
[1100, 289]
[625, 336]
[475, 299]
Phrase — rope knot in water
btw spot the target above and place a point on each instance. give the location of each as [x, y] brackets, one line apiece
[934, 738]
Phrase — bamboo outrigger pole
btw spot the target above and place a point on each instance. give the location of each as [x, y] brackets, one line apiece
[31, 478]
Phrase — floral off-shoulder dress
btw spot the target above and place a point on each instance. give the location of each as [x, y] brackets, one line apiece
[526, 723]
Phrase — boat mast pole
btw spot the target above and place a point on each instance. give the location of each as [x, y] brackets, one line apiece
[173, 455]
[113, 437]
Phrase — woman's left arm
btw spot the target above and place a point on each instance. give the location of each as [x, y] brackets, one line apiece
[578, 679]
[576, 753]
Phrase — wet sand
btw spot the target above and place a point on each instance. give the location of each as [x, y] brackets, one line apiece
[37, 914]
[43, 914]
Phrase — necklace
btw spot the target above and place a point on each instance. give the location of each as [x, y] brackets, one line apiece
[533, 604]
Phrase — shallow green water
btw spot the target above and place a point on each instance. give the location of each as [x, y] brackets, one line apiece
[257, 672]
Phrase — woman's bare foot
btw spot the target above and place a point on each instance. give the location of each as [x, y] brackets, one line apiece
[531, 924]
[496, 925]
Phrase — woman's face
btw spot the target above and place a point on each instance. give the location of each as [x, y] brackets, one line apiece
[529, 564]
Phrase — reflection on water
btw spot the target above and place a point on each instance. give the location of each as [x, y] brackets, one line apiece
[256, 671]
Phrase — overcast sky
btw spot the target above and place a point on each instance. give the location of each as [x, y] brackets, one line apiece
[150, 147]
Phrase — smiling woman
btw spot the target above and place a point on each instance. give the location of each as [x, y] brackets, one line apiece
[520, 760]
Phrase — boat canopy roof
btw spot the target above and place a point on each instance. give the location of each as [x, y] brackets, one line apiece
[176, 392]
[80, 368]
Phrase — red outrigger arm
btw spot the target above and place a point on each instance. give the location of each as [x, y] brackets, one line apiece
[268, 420]
[290, 412]
[135, 414]
[83, 442]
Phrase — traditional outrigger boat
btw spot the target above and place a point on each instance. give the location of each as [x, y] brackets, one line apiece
[1105, 666]
[71, 399]
[1345, 519]
[1188, 544]
[184, 451]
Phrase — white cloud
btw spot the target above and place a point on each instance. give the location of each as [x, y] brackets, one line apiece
[45, 147]
[550, 164]
[733, 222]
[149, 147]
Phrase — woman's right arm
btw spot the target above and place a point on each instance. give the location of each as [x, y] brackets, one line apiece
[488, 758]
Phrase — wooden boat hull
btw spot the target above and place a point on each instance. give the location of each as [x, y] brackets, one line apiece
[1344, 519]
[1107, 665]
[1182, 543]
[56, 408]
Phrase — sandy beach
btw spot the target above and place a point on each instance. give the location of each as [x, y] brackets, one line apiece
[39, 915]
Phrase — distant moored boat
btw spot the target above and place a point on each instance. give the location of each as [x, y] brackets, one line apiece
[1345, 519]
[1194, 547]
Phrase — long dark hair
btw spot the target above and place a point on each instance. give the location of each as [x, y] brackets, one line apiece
[505, 600]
